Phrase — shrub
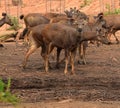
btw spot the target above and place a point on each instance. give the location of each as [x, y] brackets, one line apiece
[16, 25]
[5, 94]
[110, 12]
[85, 3]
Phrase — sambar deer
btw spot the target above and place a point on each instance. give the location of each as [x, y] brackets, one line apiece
[88, 28]
[67, 38]
[34, 39]
[61, 36]
[34, 19]
[5, 20]
[112, 22]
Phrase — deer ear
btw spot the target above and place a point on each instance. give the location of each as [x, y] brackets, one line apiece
[77, 11]
[71, 8]
[4, 14]
[100, 14]
[101, 17]
[66, 12]
[75, 8]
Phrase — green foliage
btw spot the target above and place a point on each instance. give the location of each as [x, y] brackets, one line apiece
[85, 3]
[110, 12]
[5, 94]
[2, 85]
[16, 25]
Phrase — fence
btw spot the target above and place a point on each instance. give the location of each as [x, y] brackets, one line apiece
[55, 5]
[60, 6]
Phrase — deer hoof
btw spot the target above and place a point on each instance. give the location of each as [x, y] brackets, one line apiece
[81, 62]
[65, 72]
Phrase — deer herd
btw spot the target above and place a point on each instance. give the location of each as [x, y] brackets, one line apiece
[70, 32]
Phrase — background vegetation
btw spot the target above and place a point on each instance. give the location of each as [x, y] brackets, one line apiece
[5, 95]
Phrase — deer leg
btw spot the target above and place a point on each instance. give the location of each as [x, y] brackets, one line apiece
[84, 52]
[72, 58]
[66, 62]
[117, 40]
[108, 36]
[46, 63]
[58, 57]
[81, 54]
[53, 54]
[44, 54]
[30, 51]
[51, 49]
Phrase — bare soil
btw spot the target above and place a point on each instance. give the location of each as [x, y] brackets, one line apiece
[95, 85]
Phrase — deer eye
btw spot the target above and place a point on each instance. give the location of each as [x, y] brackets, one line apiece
[83, 24]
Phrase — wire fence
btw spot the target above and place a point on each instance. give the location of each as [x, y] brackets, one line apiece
[56, 6]
[109, 5]
[50, 6]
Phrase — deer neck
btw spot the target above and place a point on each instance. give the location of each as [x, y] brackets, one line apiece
[2, 22]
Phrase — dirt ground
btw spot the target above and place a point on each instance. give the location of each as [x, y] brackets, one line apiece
[95, 85]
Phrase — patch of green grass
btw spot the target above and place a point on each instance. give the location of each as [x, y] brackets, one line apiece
[85, 3]
[111, 12]
[115, 11]
[5, 94]
[16, 25]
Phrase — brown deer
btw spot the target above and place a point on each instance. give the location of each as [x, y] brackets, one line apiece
[111, 22]
[5, 20]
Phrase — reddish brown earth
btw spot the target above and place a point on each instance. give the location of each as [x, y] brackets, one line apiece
[96, 82]
[95, 85]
